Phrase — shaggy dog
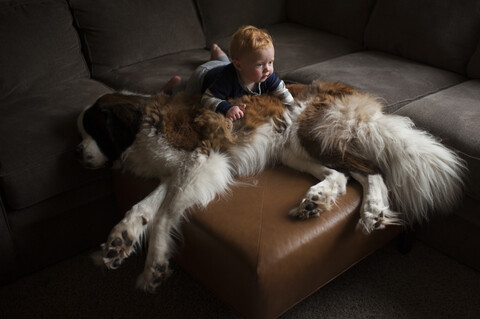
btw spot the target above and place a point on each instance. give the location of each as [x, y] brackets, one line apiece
[331, 132]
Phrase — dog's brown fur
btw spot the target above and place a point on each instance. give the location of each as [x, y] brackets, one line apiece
[321, 96]
[187, 125]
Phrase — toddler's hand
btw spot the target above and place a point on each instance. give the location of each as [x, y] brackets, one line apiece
[236, 112]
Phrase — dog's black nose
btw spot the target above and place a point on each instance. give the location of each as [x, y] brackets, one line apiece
[79, 152]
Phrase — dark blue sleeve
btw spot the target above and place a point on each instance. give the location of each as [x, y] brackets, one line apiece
[223, 87]
[223, 107]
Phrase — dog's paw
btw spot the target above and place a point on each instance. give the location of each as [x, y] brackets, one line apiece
[117, 248]
[376, 216]
[370, 222]
[153, 277]
[314, 203]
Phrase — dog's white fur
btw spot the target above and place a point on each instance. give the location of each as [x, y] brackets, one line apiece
[419, 172]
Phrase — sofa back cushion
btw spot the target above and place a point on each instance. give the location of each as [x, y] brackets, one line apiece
[345, 18]
[473, 69]
[222, 18]
[117, 33]
[40, 46]
[442, 33]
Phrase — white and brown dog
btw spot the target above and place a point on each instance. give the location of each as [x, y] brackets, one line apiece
[332, 132]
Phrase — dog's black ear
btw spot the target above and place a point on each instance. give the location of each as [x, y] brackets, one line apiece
[123, 123]
[112, 125]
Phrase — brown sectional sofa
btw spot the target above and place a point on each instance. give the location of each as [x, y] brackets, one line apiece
[421, 57]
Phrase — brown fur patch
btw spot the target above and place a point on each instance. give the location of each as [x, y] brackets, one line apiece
[260, 110]
[185, 124]
[321, 96]
[319, 88]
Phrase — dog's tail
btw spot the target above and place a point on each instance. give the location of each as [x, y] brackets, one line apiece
[422, 175]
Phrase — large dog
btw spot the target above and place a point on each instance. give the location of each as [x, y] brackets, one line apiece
[332, 132]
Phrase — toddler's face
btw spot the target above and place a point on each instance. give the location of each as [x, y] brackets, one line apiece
[256, 66]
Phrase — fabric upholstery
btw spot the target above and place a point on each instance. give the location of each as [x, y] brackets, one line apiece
[64, 226]
[474, 64]
[395, 80]
[454, 116]
[439, 33]
[341, 17]
[38, 135]
[117, 33]
[150, 75]
[39, 46]
[222, 18]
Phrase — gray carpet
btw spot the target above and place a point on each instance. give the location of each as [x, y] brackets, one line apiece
[420, 284]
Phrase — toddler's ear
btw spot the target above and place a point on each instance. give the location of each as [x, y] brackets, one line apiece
[237, 64]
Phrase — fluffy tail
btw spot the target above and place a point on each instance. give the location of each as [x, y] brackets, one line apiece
[422, 175]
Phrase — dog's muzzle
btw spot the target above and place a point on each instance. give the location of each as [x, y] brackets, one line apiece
[90, 158]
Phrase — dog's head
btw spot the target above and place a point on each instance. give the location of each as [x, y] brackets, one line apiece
[108, 128]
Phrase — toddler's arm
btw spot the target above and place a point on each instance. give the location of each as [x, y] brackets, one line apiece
[232, 112]
[215, 103]
[283, 94]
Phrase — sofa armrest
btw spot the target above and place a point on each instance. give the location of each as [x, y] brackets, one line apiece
[8, 259]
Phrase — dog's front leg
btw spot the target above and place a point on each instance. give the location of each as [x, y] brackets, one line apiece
[160, 242]
[375, 212]
[197, 181]
[128, 233]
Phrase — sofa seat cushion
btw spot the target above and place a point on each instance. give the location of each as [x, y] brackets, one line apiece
[246, 249]
[117, 33]
[40, 46]
[149, 76]
[454, 116]
[38, 135]
[441, 33]
[396, 80]
[297, 46]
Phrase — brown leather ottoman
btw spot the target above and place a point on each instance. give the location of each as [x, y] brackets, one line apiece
[248, 251]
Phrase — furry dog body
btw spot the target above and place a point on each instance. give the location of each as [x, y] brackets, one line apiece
[331, 132]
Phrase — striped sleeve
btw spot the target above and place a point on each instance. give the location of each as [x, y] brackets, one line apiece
[214, 103]
[283, 94]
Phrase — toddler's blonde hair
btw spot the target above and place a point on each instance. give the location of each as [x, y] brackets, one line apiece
[248, 38]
